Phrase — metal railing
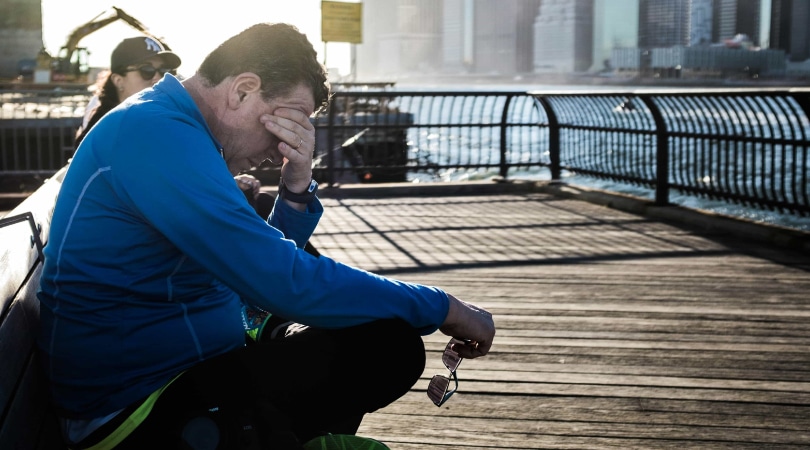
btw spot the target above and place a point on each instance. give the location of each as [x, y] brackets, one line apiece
[413, 135]
[37, 129]
[742, 146]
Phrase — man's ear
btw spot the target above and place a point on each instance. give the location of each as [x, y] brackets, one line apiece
[244, 85]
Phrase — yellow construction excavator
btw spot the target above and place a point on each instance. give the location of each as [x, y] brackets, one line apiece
[70, 65]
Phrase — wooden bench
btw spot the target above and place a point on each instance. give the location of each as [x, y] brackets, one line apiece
[27, 420]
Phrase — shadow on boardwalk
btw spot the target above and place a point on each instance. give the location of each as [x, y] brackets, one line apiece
[614, 330]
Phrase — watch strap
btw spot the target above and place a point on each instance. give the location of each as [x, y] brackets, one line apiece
[304, 197]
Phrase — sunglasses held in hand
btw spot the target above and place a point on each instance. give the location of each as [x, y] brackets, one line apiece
[148, 71]
[439, 388]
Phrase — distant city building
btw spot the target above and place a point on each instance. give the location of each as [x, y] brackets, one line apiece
[526, 11]
[725, 19]
[647, 38]
[700, 22]
[700, 62]
[664, 23]
[708, 38]
[400, 37]
[488, 36]
[425, 37]
[21, 35]
[457, 45]
[790, 28]
[563, 36]
[615, 25]
[733, 17]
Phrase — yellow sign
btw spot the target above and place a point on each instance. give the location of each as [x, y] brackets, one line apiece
[342, 22]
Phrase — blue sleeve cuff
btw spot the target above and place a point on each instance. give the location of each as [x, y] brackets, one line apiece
[296, 225]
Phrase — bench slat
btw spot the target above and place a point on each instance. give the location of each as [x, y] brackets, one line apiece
[17, 256]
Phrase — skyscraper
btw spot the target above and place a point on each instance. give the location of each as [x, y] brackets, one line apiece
[21, 35]
[425, 37]
[615, 25]
[790, 28]
[700, 30]
[664, 23]
[732, 17]
[563, 36]
[400, 37]
[457, 42]
[488, 36]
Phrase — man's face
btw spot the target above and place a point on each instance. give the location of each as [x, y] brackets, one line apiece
[245, 139]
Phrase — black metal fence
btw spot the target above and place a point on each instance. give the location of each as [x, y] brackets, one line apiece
[742, 146]
[37, 129]
[418, 135]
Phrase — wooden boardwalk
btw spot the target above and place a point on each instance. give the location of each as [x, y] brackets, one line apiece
[614, 331]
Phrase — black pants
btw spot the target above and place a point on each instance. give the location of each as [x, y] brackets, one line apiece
[280, 393]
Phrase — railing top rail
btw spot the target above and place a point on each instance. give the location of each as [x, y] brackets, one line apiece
[671, 91]
[47, 92]
[413, 93]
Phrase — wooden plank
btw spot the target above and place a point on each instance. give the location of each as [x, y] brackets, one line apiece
[542, 421]
[536, 423]
[601, 323]
[577, 443]
[607, 409]
[528, 434]
[616, 389]
[622, 368]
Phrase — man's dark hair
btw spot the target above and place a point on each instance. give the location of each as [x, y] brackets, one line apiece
[278, 53]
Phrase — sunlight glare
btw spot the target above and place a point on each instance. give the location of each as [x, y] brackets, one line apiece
[189, 28]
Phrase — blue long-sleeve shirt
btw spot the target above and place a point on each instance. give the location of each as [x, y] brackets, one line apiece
[153, 249]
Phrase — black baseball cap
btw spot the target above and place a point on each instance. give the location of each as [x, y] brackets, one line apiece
[133, 51]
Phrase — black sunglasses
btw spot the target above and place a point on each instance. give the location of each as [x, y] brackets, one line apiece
[148, 71]
[439, 388]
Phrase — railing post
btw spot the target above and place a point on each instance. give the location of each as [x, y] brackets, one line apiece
[330, 143]
[801, 159]
[504, 168]
[553, 138]
[661, 153]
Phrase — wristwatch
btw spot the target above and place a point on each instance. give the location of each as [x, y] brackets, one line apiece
[304, 197]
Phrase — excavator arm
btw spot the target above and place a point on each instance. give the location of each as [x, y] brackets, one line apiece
[64, 63]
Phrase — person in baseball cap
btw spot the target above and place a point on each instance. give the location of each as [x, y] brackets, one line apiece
[136, 63]
[136, 50]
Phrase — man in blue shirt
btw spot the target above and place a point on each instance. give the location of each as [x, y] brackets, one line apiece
[154, 255]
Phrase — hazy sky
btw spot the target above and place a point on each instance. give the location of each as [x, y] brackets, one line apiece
[193, 38]
[191, 28]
